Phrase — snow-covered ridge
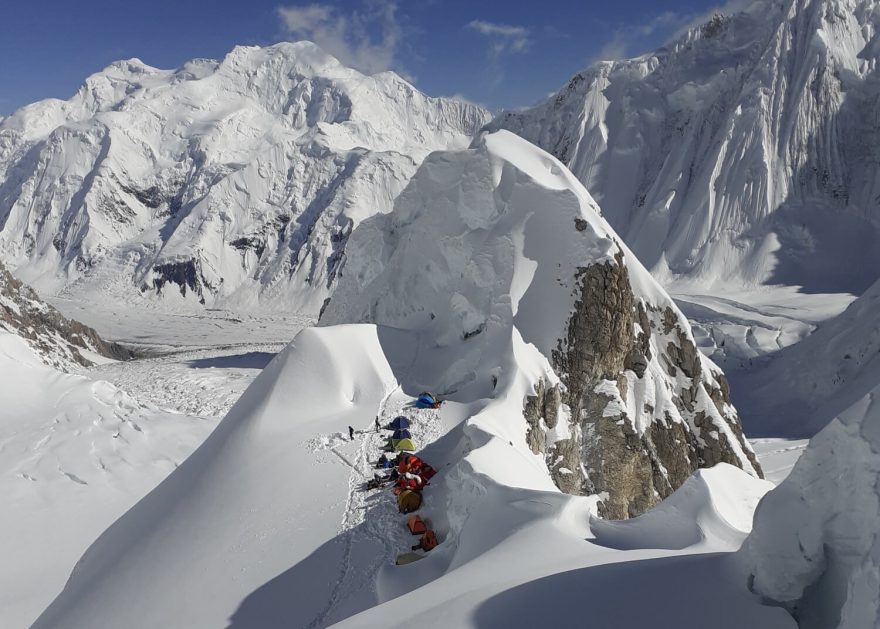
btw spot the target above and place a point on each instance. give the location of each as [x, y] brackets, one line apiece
[221, 182]
[463, 296]
[744, 152]
[500, 245]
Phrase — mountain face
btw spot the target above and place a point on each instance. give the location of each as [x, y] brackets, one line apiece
[743, 153]
[500, 246]
[56, 340]
[219, 183]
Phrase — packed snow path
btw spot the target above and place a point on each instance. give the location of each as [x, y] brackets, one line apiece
[372, 530]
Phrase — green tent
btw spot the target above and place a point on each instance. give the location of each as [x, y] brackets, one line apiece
[403, 444]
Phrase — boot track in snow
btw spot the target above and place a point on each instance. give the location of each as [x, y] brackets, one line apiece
[373, 531]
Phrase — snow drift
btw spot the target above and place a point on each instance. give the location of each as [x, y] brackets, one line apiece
[743, 152]
[815, 548]
[220, 182]
[501, 242]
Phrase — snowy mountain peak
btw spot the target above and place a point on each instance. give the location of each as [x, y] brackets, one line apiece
[304, 57]
[500, 246]
[739, 154]
[233, 182]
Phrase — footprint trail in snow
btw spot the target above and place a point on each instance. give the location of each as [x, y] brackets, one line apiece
[373, 531]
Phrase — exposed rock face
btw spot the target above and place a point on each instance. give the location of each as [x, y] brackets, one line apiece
[56, 339]
[612, 339]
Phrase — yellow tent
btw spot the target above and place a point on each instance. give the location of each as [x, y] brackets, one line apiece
[403, 444]
[408, 501]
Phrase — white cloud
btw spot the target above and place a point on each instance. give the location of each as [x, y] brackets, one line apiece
[503, 38]
[614, 49]
[629, 40]
[366, 39]
[661, 22]
[464, 99]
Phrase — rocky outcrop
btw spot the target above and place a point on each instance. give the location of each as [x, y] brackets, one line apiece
[621, 443]
[57, 340]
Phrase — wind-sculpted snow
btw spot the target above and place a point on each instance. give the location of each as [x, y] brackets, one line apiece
[500, 242]
[815, 548]
[743, 152]
[221, 182]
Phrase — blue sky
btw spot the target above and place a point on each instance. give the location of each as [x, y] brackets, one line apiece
[500, 53]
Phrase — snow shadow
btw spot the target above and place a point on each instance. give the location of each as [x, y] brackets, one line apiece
[297, 597]
[824, 250]
[828, 243]
[248, 360]
[678, 592]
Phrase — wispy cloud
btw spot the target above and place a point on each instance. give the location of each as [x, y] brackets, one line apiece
[464, 99]
[367, 39]
[503, 38]
[630, 40]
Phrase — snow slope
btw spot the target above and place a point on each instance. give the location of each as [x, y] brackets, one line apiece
[75, 453]
[264, 495]
[266, 524]
[221, 182]
[743, 153]
[815, 548]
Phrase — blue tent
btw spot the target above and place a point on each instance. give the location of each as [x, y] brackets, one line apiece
[398, 423]
[427, 400]
[403, 433]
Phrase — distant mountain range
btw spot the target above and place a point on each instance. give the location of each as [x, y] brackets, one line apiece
[227, 182]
